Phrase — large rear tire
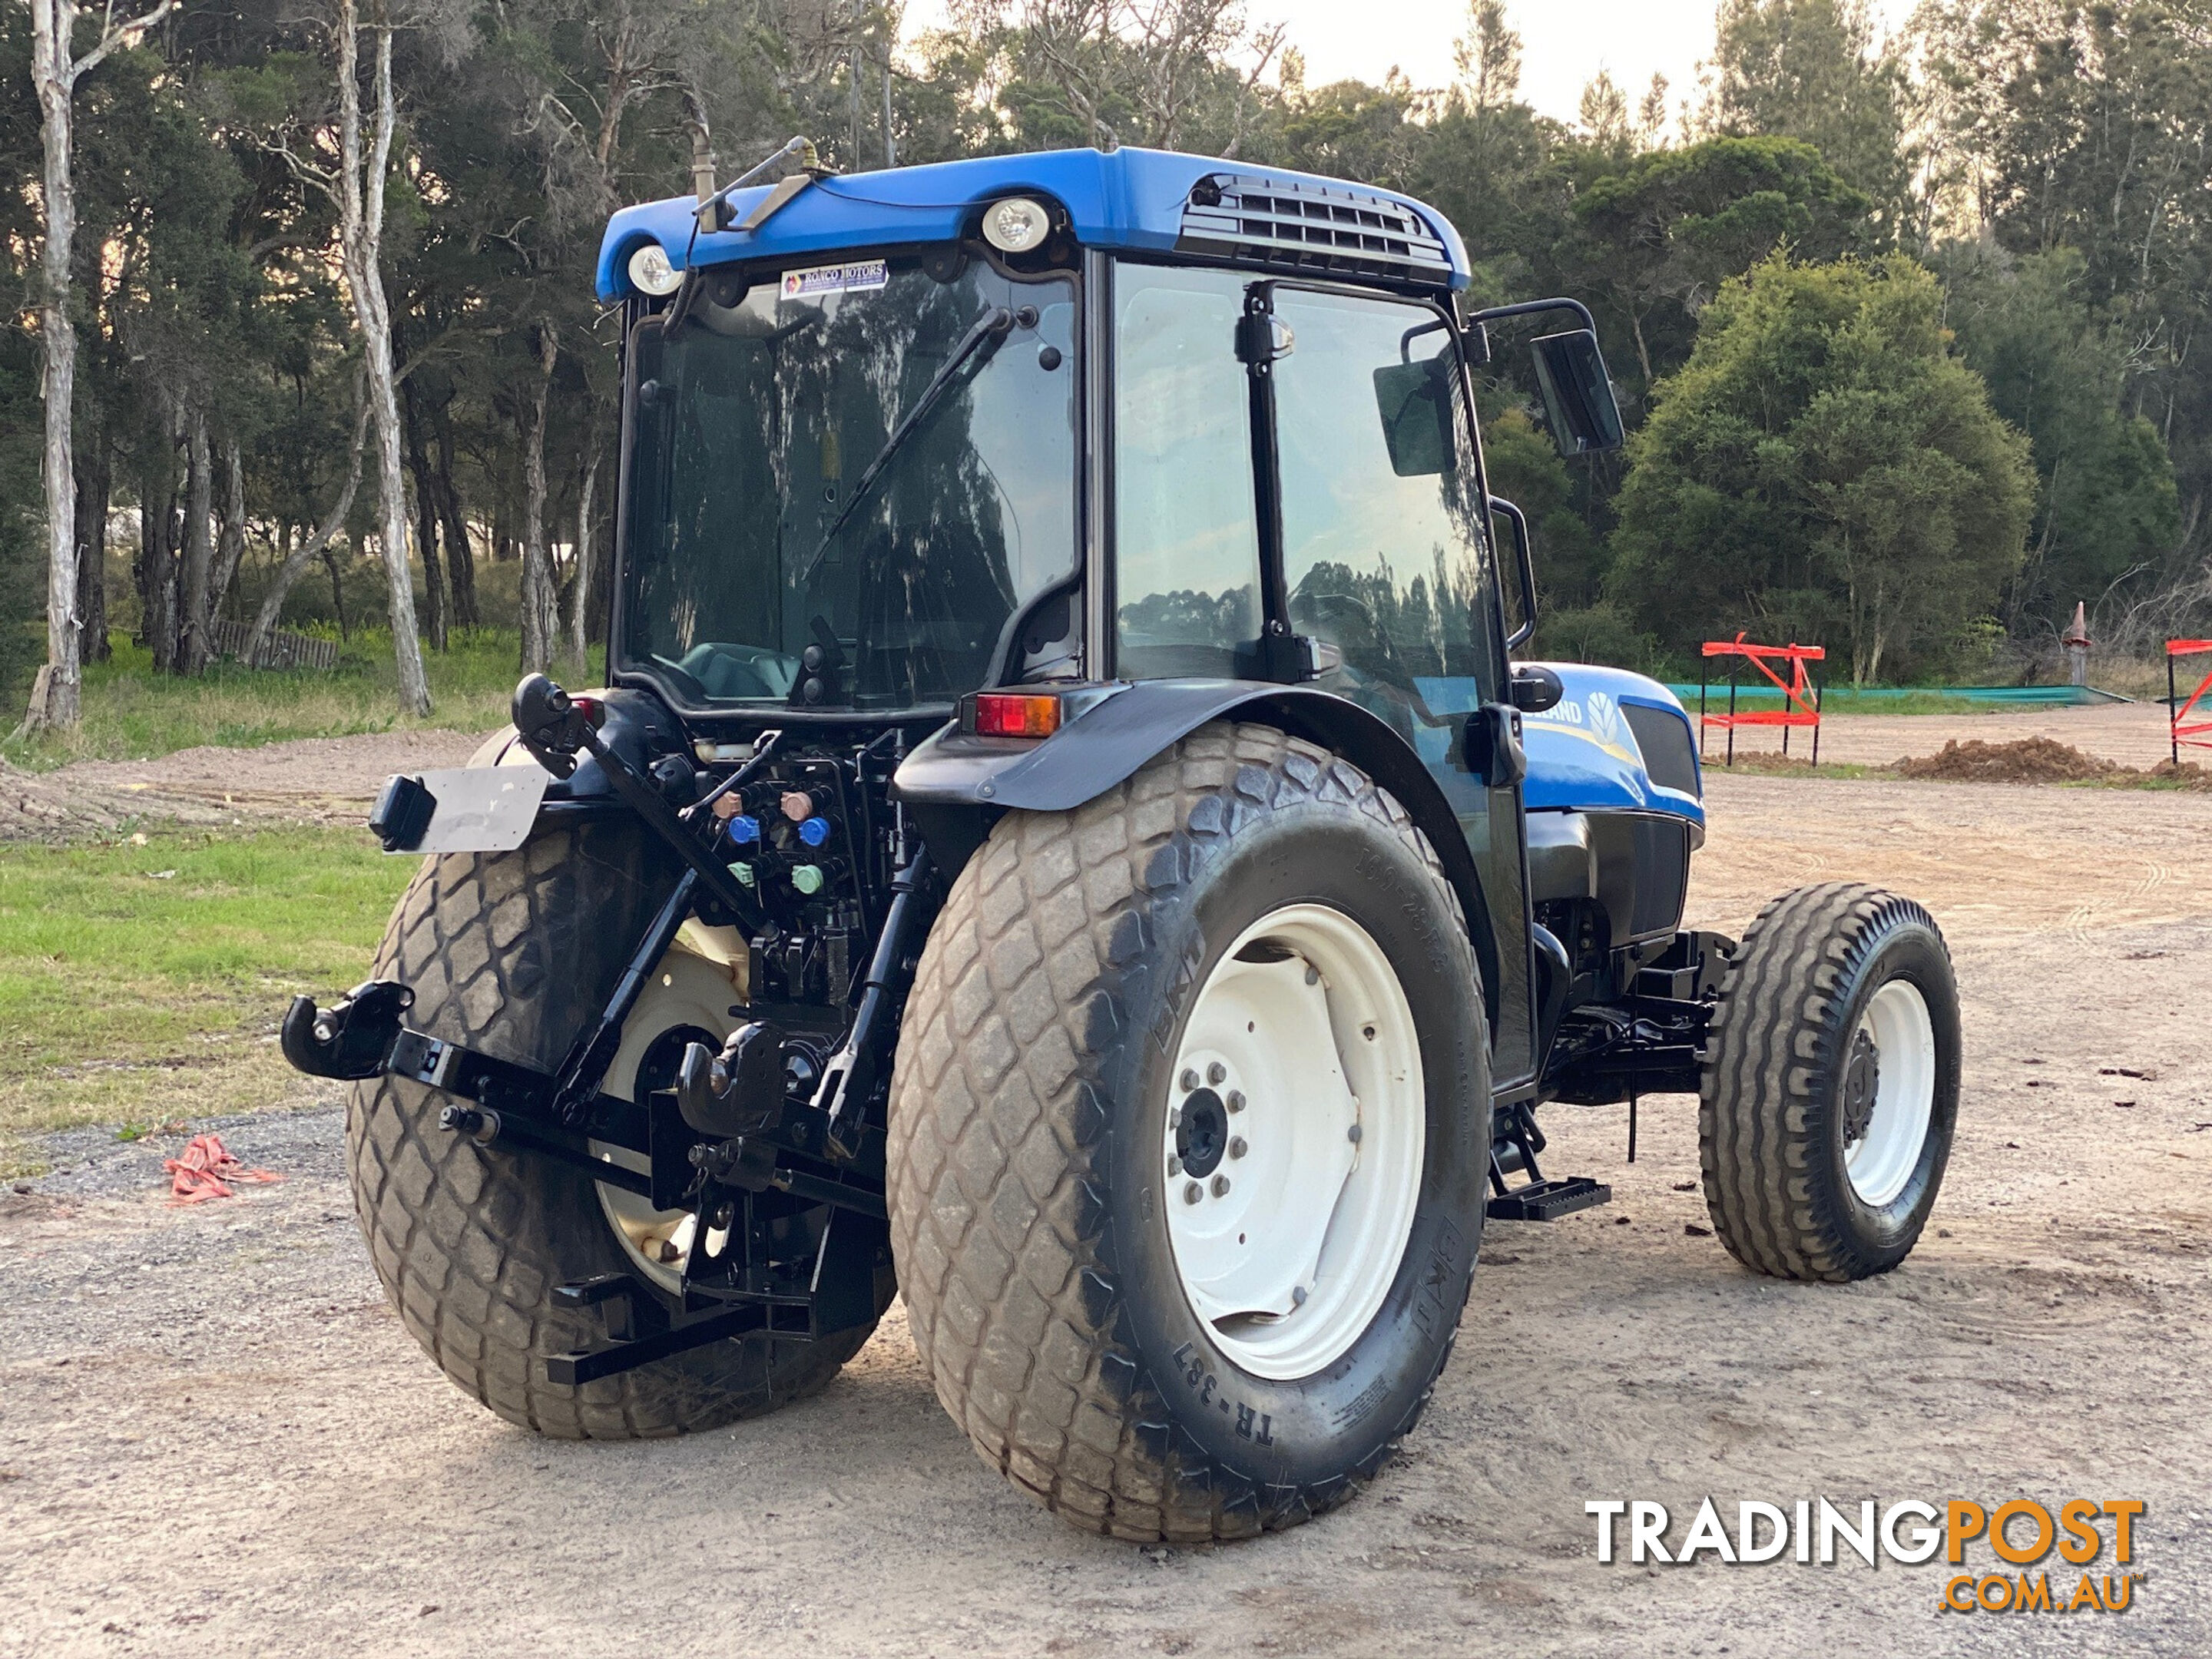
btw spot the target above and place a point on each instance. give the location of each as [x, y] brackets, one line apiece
[1188, 1135]
[510, 953]
[1830, 1084]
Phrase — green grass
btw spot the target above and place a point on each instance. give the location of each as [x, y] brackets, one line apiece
[132, 713]
[141, 981]
[1844, 702]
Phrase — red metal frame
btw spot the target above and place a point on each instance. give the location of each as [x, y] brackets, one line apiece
[2181, 730]
[1800, 693]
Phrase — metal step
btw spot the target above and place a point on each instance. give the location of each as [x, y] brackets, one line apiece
[1548, 1200]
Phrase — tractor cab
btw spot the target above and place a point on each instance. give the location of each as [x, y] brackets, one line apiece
[1087, 425]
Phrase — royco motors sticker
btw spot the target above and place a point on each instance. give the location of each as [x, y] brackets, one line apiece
[2020, 1533]
[834, 279]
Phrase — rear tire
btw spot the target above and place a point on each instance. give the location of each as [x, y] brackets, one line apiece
[508, 953]
[1055, 1097]
[1830, 1084]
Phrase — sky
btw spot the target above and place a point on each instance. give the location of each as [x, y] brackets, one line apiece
[1563, 43]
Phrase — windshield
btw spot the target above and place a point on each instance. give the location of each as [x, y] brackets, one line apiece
[871, 456]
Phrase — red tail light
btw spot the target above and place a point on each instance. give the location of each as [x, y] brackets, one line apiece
[1016, 714]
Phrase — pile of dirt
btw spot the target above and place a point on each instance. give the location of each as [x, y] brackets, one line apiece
[2028, 760]
[2185, 774]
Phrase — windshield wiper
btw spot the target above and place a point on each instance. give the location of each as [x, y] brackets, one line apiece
[991, 325]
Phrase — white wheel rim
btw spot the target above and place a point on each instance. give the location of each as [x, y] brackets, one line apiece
[685, 990]
[1897, 1039]
[1296, 1096]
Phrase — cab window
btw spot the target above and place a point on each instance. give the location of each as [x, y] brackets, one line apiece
[1187, 539]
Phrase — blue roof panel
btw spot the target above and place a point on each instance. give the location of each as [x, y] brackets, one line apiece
[1129, 199]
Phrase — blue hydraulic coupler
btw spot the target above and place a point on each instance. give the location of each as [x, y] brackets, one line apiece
[744, 829]
[814, 832]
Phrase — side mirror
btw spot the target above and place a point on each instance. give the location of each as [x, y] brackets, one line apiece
[1415, 400]
[1578, 400]
[1535, 688]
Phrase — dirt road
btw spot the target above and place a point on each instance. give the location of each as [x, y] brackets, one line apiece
[311, 781]
[217, 1439]
[2131, 733]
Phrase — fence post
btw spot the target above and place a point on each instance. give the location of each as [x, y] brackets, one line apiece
[1731, 748]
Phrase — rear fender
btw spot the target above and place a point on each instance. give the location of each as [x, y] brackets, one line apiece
[957, 785]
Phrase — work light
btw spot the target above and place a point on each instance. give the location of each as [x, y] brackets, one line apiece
[1016, 225]
[652, 273]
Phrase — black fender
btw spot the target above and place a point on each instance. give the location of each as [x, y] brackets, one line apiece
[957, 784]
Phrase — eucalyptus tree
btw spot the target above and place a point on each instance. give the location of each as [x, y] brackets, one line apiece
[56, 66]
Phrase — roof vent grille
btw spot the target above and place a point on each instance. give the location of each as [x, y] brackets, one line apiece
[1322, 229]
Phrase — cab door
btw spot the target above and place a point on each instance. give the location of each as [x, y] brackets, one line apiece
[1386, 564]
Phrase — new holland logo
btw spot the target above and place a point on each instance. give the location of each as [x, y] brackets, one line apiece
[1604, 718]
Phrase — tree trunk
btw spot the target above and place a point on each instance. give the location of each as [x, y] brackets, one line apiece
[95, 478]
[157, 578]
[579, 590]
[230, 544]
[56, 694]
[296, 561]
[361, 220]
[460, 558]
[426, 517]
[199, 550]
[540, 597]
[337, 592]
[162, 608]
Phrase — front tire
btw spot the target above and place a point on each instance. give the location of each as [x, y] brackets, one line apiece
[1054, 1106]
[1830, 1084]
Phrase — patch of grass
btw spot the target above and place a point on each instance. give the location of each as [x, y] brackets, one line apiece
[132, 713]
[1767, 763]
[1843, 702]
[143, 982]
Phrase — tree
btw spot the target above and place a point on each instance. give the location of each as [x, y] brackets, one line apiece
[1660, 236]
[1825, 467]
[1172, 74]
[361, 187]
[2090, 128]
[55, 67]
[2107, 512]
[1812, 69]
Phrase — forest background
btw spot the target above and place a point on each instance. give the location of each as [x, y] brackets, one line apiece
[1910, 329]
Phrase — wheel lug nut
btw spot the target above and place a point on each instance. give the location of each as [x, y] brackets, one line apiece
[1236, 1146]
[1192, 1192]
[1352, 1134]
[1236, 1101]
[1189, 1079]
[1175, 1166]
[1221, 1186]
[1313, 976]
[1216, 1072]
[1297, 1296]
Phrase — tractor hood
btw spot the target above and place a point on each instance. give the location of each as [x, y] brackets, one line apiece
[1615, 743]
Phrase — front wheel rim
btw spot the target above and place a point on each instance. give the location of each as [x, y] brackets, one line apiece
[1296, 1131]
[1888, 1091]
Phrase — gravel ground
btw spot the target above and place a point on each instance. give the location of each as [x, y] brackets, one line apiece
[311, 781]
[216, 1438]
[2132, 733]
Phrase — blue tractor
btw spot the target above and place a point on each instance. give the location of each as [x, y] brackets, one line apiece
[1067, 841]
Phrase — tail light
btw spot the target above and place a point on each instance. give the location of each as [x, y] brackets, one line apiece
[1014, 714]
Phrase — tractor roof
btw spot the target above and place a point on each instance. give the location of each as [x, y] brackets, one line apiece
[1136, 200]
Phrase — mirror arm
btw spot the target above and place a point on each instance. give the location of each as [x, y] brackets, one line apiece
[1529, 308]
[1502, 508]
